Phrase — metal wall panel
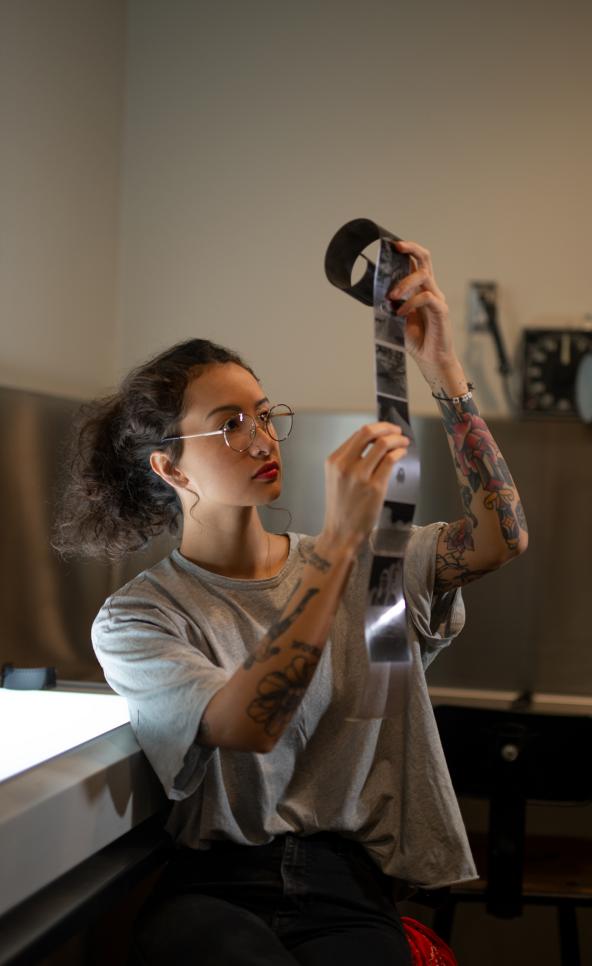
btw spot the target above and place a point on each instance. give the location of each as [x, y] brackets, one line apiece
[47, 605]
[527, 624]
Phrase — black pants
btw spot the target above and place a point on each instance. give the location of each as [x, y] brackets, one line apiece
[313, 901]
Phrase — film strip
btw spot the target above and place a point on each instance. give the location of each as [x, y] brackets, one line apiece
[386, 619]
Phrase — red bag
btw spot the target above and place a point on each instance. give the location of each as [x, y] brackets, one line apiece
[427, 949]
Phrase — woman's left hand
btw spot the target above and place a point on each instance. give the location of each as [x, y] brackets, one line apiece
[428, 336]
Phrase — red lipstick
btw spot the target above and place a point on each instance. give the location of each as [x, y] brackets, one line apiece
[269, 471]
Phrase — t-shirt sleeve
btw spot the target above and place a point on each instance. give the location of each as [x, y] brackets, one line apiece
[151, 657]
[438, 618]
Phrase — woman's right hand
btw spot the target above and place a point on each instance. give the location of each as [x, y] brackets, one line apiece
[253, 709]
[356, 480]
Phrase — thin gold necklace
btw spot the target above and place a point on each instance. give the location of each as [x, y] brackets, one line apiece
[268, 575]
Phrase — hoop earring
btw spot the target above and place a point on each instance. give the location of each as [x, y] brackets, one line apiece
[193, 506]
[280, 509]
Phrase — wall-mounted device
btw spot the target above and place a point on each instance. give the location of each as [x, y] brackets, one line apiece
[583, 390]
[555, 364]
[550, 363]
[483, 317]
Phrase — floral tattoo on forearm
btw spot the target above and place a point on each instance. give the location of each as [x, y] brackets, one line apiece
[481, 464]
[279, 694]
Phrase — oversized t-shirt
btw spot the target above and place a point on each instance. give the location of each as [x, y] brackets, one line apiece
[170, 639]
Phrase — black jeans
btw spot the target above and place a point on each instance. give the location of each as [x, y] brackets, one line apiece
[315, 900]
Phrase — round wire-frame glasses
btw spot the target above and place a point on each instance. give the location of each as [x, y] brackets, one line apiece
[240, 429]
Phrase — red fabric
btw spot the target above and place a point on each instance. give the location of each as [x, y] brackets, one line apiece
[427, 949]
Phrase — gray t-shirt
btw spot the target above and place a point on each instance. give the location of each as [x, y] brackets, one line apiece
[171, 638]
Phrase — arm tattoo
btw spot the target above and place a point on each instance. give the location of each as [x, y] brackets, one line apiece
[279, 694]
[502, 504]
[266, 648]
[521, 517]
[477, 456]
[293, 592]
[466, 497]
[311, 649]
[311, 557]
[262, 652]
[459, 535]
[480, 462]
[319, 562]
[277, 629]
[452, 570]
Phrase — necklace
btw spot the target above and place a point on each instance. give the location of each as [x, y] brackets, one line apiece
[267, 573]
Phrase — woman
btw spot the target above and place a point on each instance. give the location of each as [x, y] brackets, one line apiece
[241, 654]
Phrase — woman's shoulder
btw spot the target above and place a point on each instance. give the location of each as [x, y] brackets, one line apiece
[302, 542]
[153, 594]
[175, 579]
[148, 579]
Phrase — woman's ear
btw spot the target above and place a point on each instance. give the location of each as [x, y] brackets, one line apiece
[162, 466]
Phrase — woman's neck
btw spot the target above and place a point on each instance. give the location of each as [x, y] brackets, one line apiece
[235, 546]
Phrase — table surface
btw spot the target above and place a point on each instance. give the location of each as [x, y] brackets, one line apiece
[539, 702]
[74, 780]
[39, 725]
[78, 780]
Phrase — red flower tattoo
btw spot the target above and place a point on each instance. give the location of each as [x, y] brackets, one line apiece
[476, 452]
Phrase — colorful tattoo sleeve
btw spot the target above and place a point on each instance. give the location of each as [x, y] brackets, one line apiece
[486, 483]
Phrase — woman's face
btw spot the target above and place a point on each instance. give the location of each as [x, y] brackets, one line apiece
[215, 472]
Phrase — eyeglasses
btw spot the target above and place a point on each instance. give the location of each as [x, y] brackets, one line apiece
[240, 429]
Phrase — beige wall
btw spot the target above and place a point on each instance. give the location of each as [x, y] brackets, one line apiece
[255, 128]
[61, 101]
[252, 130]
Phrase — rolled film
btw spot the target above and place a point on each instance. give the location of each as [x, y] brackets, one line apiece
[386, 612]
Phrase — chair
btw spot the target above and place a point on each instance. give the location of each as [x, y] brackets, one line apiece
[510, 758]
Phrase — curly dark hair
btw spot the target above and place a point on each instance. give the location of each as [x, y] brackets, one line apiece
[113, 503]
